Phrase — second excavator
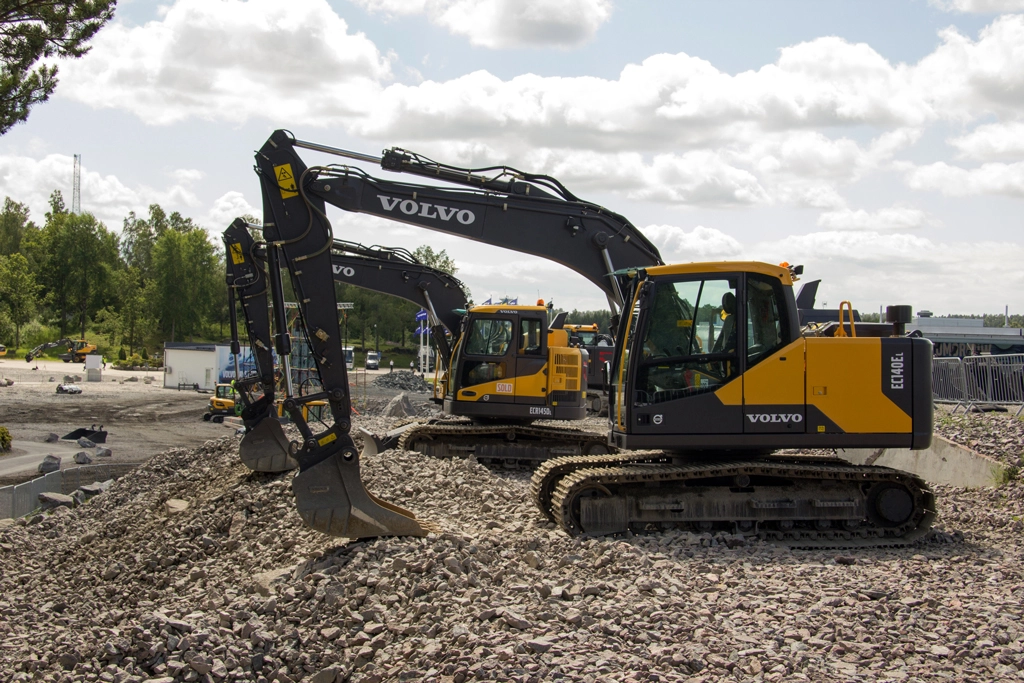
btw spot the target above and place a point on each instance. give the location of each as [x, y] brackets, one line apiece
[507, 367]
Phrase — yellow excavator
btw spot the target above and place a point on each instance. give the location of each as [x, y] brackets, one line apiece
[78, 349]
[711, 373]
[505, 367]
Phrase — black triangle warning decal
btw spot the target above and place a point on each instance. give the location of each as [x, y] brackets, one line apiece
[283, 173]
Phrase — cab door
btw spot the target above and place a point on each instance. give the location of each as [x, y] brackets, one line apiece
[686, 372]
[531, 361]
[773, 383]
[487, 368]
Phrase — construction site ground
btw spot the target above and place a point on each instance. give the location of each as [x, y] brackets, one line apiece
[141, 419]
[191, 568]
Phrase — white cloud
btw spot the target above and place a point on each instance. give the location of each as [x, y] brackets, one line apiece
[872, 269]
[700, 244]
[227, 61]
[31, 181]
[991, 178]
[982, 6]
[890, 219]
[227, 208]
[507, 23]
[992, 141]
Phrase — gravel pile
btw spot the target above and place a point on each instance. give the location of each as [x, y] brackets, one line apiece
[998, 435]
[190, 568]
[402, 380]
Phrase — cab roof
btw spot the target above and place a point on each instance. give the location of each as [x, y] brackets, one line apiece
[716, 267]
[507, 307]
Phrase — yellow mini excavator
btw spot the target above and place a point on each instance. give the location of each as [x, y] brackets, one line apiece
[711, 373]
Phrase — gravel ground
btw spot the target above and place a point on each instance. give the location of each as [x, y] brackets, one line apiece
[235, 589]
[997, 435]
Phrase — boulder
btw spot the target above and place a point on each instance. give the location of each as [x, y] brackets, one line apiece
[96, 488]
[85, 443]
[49, 500]
[399, 406]
[103, 452]
[51, 438]
[82, 458]
[79, 496]
[50, 463]
[173, 506]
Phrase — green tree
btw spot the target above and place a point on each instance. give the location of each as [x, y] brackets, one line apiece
[75, 257]
[186, 281]
[439, 260]
[33, 30]
[18, 291]
[13, 224]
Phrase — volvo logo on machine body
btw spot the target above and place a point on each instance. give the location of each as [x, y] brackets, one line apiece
[347, 271]
[411, 207]
[775, 417]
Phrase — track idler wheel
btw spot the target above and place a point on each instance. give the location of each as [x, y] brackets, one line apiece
[331, 498]
[266, 449]
[889, 504]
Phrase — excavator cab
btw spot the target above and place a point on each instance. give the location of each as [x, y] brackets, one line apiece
[509, 365]
[713, 358]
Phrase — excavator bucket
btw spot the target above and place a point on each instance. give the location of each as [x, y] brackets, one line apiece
[267, 449]
[331, 498]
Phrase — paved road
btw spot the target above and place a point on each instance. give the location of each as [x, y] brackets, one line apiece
[27, 455]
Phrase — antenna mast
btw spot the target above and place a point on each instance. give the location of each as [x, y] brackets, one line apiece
[76, 193]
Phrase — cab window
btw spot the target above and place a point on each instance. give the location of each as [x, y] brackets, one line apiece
[764, 326]
[529, 336]
[690, 344]
[489, 337]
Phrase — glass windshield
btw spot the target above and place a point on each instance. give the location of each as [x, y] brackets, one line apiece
[689, 346]
[489, 337]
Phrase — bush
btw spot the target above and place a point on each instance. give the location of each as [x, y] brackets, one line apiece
[5, 439]
[134, 361]
[121, 355]
[145, 356]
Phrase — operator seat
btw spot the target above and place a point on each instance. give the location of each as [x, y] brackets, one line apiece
[727, 339]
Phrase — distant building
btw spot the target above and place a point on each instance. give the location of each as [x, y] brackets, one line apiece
[200, 364]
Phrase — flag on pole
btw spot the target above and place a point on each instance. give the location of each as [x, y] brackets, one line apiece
[487, 303]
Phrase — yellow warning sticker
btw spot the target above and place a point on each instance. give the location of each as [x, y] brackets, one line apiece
[286, 181]
[684, 323]
[236, 253]
[327, 439]
[821, 429]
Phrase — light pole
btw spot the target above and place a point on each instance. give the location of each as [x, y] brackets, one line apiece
[376, 345]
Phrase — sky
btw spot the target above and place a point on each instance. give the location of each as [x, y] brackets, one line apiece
[880, 143]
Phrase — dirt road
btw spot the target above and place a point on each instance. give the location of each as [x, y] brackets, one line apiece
[141, 419]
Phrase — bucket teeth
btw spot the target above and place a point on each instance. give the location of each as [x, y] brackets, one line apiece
[331, 498]
[266, 448]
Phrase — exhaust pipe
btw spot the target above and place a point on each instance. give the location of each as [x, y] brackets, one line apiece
[266, 448]
[331, 498]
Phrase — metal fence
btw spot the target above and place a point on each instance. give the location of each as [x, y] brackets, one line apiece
[997, 380]
[19, 500]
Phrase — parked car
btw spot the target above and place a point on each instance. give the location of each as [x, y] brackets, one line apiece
[372, 360]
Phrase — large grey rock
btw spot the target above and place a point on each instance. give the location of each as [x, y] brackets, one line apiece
[399, 406]
[82, 458]
[95, 488]
[51, 438]
[103, 452]
[85, 443]
[50, 463]
[49, 500]
[173, 506]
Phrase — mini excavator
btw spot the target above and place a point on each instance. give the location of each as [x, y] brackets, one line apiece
[711, 373]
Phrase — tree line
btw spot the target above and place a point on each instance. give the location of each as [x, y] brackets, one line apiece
[161, 278]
